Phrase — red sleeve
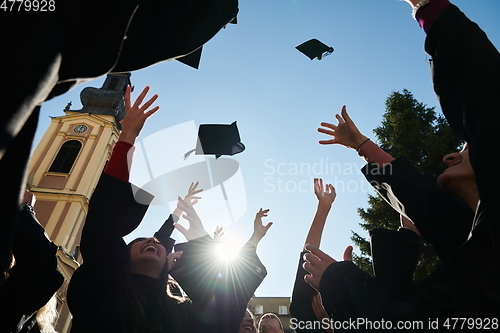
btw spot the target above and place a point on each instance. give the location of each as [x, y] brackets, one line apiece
[118, 165]
[427, 14]
[372, 153]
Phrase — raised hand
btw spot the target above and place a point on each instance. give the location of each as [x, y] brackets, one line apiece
[326, 194]
[172, 258]
[259, 230]
[317, 261]
[345, 133]
[136, 114]
[192, 191]
[219, 233]
[190, 197]
[196, 229]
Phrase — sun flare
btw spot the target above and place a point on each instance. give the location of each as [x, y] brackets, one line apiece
[227, 250]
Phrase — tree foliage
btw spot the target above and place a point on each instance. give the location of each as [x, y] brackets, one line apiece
[412, 129]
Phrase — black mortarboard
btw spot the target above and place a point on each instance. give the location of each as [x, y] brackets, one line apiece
[218, 139]
[192, 59]
[314, 49]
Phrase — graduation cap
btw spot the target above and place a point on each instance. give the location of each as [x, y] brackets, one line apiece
[314, 49]
[218, 139]
[192, 59]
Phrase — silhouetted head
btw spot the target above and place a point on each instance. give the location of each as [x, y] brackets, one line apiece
[270, 323]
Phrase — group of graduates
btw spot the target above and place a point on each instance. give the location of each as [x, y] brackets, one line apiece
[153, 284]
[455, 214]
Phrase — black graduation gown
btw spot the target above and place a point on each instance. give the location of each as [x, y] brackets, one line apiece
[395, 255]
[99, 294]
[466, 77]
[232, 284]
[47, 53]
[13, 167]
[236, 281]
[463, 285]
[34, 278]
[442, 218]
[466, 69]
[302, 295]
[164, 233]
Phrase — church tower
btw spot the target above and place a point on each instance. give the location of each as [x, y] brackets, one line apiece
[65, 167]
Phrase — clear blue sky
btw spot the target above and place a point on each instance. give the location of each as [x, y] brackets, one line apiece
[252, 73]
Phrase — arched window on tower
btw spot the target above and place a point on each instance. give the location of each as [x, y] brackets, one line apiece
[66, 157]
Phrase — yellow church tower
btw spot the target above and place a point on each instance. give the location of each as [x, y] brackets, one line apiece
[65, 167]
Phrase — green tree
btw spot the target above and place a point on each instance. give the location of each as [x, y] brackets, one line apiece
[412, 129]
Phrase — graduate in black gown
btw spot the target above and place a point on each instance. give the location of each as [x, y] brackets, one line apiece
[466, 71]
[127, 288]
[48, 53]
[33, 280]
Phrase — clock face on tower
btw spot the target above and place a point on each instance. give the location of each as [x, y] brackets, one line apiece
[80, 129]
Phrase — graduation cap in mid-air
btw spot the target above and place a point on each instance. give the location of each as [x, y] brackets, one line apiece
[218, 139]
[314, 49]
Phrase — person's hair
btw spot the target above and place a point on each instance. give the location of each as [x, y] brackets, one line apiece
[47, 315]
[271, 314]
[168, 316]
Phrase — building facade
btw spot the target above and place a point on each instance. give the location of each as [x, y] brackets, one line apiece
[277, 305]
[65, 168]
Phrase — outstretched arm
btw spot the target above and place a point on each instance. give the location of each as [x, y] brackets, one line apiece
[326, 196]
[164, 233]
[259, 230]
[136, 114]
[135, 117]
[218, 289]
[112, 216]
[191, 196]
[426, 12]
[346, 134]
[196, 229]
[303, 305]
